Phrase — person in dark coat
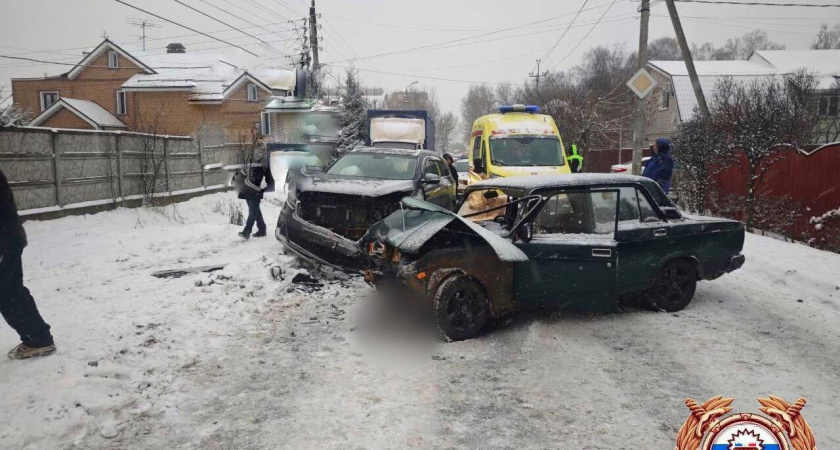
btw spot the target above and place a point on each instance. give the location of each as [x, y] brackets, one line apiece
[451, 164]
[660, 166]
[16, 303]
[250, 188]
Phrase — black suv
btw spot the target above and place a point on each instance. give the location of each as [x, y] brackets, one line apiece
[327, 212]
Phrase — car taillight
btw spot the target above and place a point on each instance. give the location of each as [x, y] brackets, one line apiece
[619, 169]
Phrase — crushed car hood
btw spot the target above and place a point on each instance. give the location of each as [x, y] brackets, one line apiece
[409, 228]
[338, 184]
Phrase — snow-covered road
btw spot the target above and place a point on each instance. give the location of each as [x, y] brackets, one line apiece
[239, 359]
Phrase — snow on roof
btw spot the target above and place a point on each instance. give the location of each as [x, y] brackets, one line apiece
[206, 76]
[761, 64]
[88, 111]
[819, 61]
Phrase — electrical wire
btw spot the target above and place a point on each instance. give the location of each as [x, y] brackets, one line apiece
[585, 36]
[726, 2]
[490, 83]
[184, 26]
[551, 50]
[424, 47]
[218, 20]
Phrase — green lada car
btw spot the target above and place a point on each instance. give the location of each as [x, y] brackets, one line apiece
[581, 242]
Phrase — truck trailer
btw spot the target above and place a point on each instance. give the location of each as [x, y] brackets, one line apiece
[409, 129]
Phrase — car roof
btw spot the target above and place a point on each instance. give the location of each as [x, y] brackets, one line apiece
[395, 151]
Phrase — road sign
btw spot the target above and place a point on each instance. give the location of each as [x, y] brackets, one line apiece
[641, 83]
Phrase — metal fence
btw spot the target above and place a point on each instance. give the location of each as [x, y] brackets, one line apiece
[55, 169]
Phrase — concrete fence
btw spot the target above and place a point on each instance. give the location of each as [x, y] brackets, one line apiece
[53, 170]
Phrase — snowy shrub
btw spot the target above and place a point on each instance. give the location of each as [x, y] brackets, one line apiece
[702, 151]
[826, 231]
[235, 213]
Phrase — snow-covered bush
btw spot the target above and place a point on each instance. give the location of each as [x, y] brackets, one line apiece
[11, 115]
[702, 151]
[826, 231]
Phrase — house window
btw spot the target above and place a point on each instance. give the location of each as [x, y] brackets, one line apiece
[829, 105]
[265, 124]
[113, 60]
[48, 98]
[665, 98]
[121, 103]
[252, 93]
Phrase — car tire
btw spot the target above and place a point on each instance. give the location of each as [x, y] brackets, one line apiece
[460, 308]
[674, 287]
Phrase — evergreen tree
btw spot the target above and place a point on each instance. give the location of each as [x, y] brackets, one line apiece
[353, 112]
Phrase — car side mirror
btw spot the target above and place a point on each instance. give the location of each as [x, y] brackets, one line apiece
[430, 178]
[671, 213]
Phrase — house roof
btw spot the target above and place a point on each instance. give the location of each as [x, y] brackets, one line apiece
[761, 64]
[97, 116]
[103, 46]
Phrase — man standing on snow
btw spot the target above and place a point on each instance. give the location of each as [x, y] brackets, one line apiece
[251, 183]
[575, 160]
[16, 303]
[661, 165]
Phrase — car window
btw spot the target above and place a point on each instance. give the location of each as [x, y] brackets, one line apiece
[429, 167]
[633, 207]
[576, 213]
[476, 147]
[375, 165]
[462, 165]
[442, 168]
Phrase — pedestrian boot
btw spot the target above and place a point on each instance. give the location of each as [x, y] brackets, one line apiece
[25, 352]
[244, 235]
[259, 233]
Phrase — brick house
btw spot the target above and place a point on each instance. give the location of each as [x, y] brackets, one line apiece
[177, 93]
[673, 101]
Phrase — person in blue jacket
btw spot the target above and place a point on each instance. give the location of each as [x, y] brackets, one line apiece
[661, 165]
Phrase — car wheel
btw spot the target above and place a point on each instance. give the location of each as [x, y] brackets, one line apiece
[460, 308]
[674, 287]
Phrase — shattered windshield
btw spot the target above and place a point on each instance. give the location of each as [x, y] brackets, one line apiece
[375, 165]
[526, 151]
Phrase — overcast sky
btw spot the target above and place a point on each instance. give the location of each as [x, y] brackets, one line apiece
[493, 41]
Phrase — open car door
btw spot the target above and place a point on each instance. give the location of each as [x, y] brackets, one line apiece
[571, 253]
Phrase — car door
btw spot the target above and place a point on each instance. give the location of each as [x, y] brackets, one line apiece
[572, 254]
[643, 240]
[433, 192]
[449, 189]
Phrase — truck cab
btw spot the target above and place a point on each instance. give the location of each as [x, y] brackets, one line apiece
[516, 141]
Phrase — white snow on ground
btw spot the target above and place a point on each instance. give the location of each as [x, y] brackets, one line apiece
[250, 361]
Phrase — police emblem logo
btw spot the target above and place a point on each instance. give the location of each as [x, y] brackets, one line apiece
[783, 428]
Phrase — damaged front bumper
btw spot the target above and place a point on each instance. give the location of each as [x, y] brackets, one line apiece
[317, 243]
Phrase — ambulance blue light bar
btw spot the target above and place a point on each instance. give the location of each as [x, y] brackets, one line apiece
[519, 108]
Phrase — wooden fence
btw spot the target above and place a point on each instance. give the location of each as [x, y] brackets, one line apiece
[58, 169]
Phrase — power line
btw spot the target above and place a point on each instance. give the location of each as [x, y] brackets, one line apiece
[725, 2]
[404, 27]
[186, 27]
[585, 36]
[564, 34]
[472, 37]
[436, 78]
[218, 20]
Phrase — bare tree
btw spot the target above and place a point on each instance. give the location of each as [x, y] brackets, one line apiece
[733, 49]
[446, 129]
[702, 151]
[153, 160]
[760, 120]
[480, 100]
[827, 38]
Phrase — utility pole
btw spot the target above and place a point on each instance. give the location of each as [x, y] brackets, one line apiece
[641, 103]
[313, 37]
[686, 54]
[538, 75]
[305, 57]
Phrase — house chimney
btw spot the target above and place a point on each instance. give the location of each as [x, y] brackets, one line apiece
[175, 47]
